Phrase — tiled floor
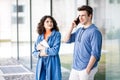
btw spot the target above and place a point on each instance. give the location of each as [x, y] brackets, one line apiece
[10, 69]
[11, 62]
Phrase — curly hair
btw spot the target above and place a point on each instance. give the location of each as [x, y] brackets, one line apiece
[40, 27]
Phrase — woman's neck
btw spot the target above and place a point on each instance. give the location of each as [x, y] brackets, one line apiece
[47, 34]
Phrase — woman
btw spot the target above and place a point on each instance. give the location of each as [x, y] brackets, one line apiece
[46, 49]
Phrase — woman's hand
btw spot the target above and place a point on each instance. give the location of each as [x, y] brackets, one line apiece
[42, 50]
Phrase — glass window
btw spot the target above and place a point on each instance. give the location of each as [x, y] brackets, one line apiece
[111, 1]
[20, 20]
[118, 1]
[20, 8]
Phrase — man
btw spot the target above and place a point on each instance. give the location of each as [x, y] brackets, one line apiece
[87, 47]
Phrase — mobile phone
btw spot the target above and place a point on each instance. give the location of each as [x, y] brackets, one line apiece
[77, 21]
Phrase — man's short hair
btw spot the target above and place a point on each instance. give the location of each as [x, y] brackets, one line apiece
[86, 8]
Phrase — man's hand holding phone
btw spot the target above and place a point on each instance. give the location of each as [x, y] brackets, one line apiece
[73, 25]
[75, 22]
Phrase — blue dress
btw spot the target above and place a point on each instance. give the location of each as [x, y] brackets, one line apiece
[49, 68]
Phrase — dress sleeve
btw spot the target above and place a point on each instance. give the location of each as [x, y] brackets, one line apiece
[54, 50]
[35, 51]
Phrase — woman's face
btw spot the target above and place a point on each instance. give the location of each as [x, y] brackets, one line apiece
[48, 24]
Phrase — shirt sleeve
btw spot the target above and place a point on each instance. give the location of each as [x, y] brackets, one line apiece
[72, 37]
[96, 43]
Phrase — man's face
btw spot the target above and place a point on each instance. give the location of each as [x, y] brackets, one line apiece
[84, 18]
